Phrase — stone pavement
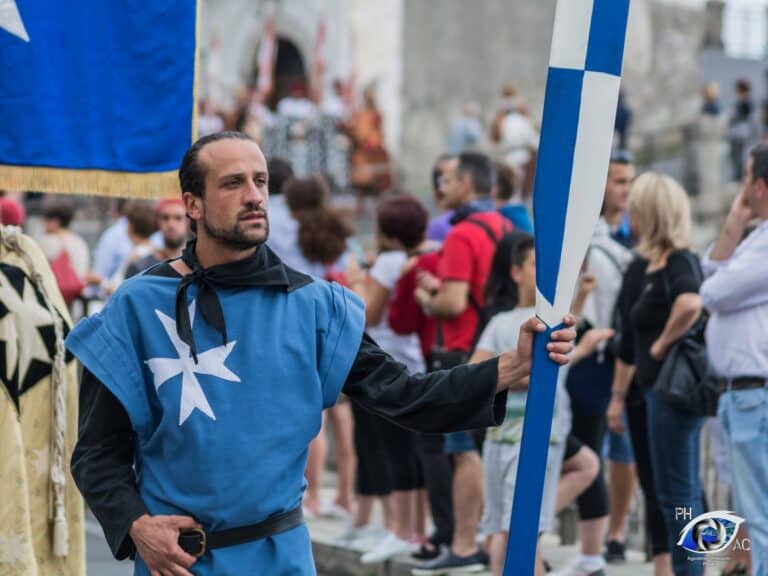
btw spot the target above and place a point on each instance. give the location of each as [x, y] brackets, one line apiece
[333, 560]
[339, 561]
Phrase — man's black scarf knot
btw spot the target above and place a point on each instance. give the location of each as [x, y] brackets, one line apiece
[262, 268]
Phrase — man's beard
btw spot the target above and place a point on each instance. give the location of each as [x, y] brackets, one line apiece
[174, 243]
[234, 238]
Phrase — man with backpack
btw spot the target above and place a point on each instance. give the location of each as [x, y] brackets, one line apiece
[455, 298]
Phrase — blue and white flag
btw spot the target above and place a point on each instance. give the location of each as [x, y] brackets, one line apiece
[577, 132]
[96, 97]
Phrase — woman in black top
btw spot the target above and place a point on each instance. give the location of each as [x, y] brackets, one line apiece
[657, 305]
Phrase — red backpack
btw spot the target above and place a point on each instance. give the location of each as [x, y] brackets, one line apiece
[69, 282]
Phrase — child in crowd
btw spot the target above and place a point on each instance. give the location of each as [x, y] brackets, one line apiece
[514, 278]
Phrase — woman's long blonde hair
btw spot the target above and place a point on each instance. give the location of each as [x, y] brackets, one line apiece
[662, 211]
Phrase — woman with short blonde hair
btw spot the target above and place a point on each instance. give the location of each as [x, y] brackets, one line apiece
[657, 305]
[661, 213]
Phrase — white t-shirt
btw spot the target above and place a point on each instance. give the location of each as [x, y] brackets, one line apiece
[386, 270]
[501, 335]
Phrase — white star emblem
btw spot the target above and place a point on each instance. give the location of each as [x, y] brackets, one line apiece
[11, 21]
[29, 316]
[210, 362]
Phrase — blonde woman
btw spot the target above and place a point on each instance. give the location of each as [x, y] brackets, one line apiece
[658, 303]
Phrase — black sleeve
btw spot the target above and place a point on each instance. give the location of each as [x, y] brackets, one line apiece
[102, 464]
[132, 270]
[463, 398]
[631, 288]
[684, 273]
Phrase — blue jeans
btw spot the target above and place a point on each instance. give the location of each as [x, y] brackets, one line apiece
[618, 447]
[457, 442]
[744, 414]
[673, 437]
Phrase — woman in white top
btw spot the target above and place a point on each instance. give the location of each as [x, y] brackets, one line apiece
[60, 242]
[401, 222]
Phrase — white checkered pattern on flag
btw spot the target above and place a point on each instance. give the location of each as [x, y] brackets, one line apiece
[577, 132]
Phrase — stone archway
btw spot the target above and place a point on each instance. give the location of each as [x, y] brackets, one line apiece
[290, 71]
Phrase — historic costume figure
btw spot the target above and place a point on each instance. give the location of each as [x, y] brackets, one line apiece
[206, 376]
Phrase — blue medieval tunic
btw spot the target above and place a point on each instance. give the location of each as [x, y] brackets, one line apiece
[225, 439]
[221, 432]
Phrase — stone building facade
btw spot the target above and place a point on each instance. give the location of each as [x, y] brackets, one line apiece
[427, 57]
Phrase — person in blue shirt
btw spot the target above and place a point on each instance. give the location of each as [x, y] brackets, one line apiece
[508, 198]
[205, 378]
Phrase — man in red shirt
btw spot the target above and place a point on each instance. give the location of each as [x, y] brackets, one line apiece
[455, 299]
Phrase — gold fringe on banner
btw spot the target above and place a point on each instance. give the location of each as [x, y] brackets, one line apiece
[154, 185]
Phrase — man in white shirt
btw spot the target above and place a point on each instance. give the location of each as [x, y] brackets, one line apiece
[736, 294]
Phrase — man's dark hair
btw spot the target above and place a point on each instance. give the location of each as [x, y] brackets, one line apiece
[280, 171]
[437, 170]
[743, 85]
[506, 181]
[61, 210]
[191, 173]
[404, 218]
[480, 169]
[622, 156]
[759, 154]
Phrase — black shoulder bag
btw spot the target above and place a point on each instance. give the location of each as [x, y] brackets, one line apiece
[686, 379]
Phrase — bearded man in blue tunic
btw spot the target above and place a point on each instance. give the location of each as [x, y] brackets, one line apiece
[205, 379]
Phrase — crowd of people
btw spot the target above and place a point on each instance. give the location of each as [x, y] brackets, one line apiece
[325, 135]
[456, 288]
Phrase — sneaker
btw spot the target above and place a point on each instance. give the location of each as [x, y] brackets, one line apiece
[580, 569]
[428, 552]
[361, 538]
[390, 546]
[450, 563]
[615, 552]
[333, 510]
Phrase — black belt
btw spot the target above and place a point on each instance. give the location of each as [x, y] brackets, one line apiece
[196, 541]
[741, 383]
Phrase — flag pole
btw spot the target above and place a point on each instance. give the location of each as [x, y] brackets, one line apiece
[577, 131]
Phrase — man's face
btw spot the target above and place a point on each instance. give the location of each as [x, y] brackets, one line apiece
[450, 190]
[620, 177]
[172, 222]
[233, 210]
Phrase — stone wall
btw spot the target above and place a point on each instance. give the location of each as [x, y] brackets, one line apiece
[456, 51]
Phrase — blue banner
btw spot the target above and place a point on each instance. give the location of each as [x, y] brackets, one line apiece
[96, 97]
